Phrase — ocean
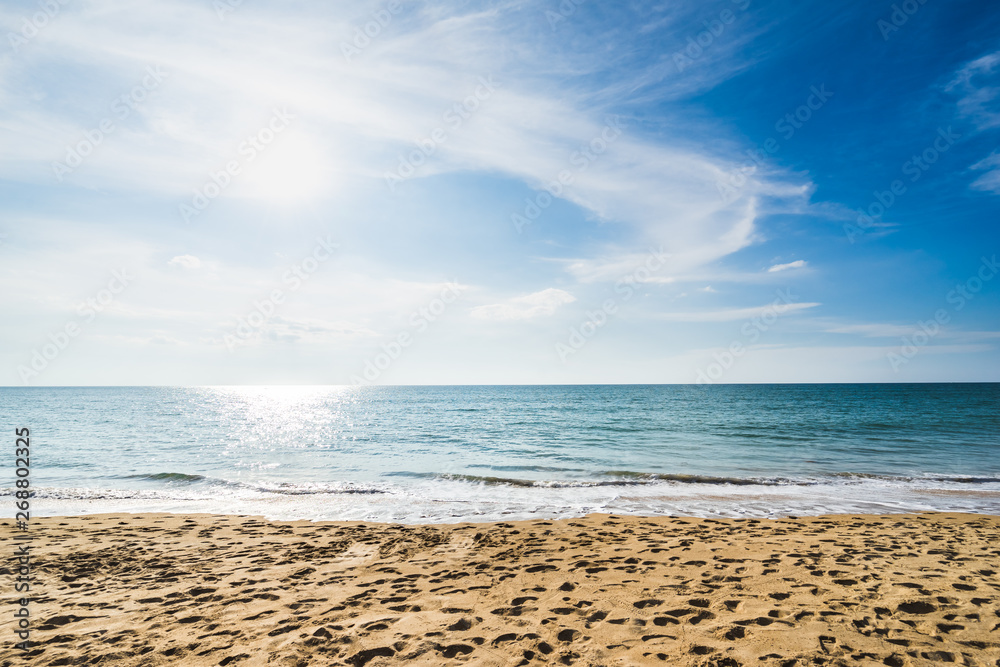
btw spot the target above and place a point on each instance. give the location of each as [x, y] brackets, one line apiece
[442, 454]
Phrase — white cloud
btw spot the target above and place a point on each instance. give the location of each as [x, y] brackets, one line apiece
[979, 90]
[185, 262]
[978, 86]
[668, 260]
[990, 180]
[797, 264]
[290, 330]
[530, 306]
[732, 314]
[873, 330]
[796, 363]
[882, 330]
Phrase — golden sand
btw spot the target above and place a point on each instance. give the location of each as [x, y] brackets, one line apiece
[601, 590]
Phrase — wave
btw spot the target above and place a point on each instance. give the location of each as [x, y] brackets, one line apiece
[528, 468]
[249, 491]
[475, 479]
[702, 479]
[289, 489]
[186, 486]
[168, 477]
[281, 488]
[624, 478]
[916, 478]
[635, 478]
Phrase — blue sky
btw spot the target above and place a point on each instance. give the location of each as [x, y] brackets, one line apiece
[199, 192]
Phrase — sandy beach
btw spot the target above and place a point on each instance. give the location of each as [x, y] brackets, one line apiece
[601, 590]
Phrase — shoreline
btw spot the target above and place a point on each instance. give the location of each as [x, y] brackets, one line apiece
[451, 502]
[204, 589]
[147, 515]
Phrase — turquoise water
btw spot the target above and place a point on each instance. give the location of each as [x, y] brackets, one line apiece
[425, 454]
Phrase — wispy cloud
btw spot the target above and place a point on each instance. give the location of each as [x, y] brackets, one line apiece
[978, 88]
[990, 180]
[884, 330]
[977, 85]
[529, 306]
[185, 262]
[354, 119]
[872, 330]
[797, 264]
[733, 314]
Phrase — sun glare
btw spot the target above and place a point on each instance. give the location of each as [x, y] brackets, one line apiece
[293, 168]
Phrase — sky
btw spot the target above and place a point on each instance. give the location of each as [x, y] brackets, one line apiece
[214, 192]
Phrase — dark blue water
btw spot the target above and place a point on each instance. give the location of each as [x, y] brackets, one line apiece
[451, 453]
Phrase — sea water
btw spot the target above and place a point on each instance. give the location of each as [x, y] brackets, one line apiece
[429, 454]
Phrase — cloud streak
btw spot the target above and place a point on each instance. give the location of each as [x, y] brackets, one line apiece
[527, 307]
[797, 264]
[734, 314]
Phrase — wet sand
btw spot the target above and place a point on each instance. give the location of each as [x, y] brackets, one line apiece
[157, 589]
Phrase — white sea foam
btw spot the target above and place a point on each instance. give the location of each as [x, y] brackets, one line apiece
[448, 501]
